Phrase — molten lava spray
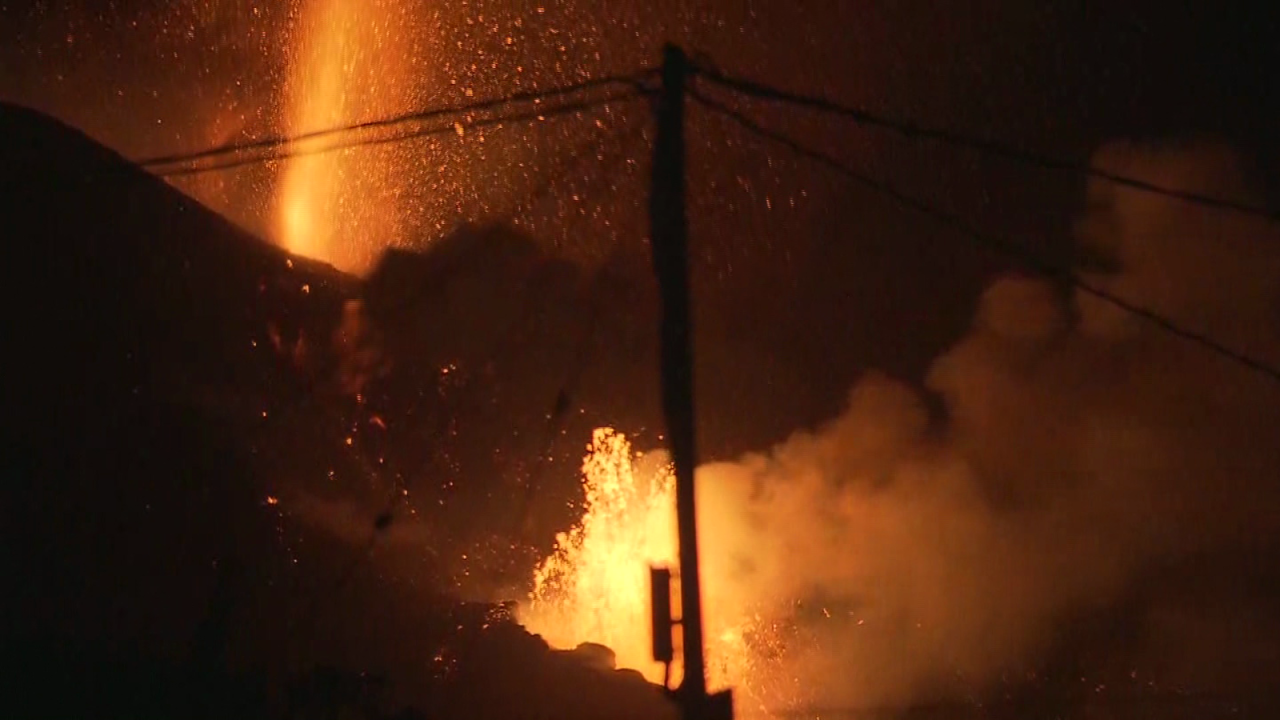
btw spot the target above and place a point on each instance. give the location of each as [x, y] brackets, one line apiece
[595, 586]
[891, 558]
[348, 66]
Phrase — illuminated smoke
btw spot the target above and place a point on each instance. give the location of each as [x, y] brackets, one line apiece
[895, 558]
[348, 65]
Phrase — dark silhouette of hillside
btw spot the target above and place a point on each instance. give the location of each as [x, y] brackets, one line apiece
[170, 381]
[142, 353]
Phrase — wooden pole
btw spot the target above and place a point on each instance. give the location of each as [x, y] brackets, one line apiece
[669, 244]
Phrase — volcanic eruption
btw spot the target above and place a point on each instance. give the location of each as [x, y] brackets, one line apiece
[1084, 461]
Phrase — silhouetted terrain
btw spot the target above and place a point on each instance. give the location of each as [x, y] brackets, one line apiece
[169, 377]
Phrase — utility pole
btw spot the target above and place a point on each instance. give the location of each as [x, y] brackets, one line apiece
[669, 236]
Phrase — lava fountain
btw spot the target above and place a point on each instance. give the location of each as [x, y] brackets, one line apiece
[595, 586]
[348, 65]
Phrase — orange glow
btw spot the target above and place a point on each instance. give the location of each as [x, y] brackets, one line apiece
[595, 585]
[273, 500]
[298, 230]
[347, 66]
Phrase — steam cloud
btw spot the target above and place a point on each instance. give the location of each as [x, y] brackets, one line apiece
[1085, 456]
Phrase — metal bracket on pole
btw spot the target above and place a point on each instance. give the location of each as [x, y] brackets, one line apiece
[661, 620]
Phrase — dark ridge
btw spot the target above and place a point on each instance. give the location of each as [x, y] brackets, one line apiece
[169, 391]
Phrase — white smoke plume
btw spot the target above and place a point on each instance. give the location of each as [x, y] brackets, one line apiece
[1083, 452]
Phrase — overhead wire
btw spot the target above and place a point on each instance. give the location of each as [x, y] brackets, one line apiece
[535, 114]
[989, 147]
[633, 80]
[1004, 246]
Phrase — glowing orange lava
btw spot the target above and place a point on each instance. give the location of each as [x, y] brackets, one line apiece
[595, 586]
[347, 67]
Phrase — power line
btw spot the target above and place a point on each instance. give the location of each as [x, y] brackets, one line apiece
[536, 114]
[1001, 245]
[912, 130]
[633, 82]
